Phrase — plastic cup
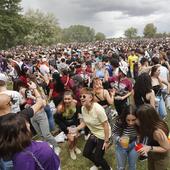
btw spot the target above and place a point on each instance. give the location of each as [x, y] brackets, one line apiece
[125, 142]
[73, 130]
[138, 147]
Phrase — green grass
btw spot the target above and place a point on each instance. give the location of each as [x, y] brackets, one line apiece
[81, 163]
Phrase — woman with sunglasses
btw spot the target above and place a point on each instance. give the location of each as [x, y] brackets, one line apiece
[67, 117]
[94, 117]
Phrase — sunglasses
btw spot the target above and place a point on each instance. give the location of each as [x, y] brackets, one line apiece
[82, 96]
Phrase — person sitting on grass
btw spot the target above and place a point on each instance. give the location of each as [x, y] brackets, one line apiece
[67, 117]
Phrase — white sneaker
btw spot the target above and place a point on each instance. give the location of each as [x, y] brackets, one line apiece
[111, 168]
[77, 150]
[57, 150]
[94, 167]
[72, 154]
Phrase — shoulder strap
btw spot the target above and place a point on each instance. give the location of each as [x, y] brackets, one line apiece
[98, 97]
[36, 160]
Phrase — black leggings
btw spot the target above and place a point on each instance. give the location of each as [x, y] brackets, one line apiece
[93, 151]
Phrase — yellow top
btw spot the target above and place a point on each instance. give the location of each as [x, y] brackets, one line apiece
[131, 60]
[69, 112]
[94, 119]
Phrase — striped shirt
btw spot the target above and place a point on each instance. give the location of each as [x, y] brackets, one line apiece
[118, 131]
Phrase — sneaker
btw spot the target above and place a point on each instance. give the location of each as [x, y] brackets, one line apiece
[57, 150]
[94, 167]
[77, 150]
[111, 168]
[72, 155]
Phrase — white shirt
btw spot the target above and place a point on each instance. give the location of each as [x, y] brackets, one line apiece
[44, 69]
[16, 97]
[164, 74]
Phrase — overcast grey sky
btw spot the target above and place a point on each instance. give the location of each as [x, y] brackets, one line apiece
[111, 17]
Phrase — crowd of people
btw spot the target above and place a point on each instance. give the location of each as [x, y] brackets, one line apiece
[115, 93]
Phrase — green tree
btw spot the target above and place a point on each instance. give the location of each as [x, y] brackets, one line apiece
[131, 32]
[44, 28]
[13, 27]
[100, 36]
[149, 30]
[78, 33]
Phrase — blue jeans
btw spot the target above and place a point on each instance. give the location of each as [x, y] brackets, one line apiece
[122, 155]
[161, 109]
[6, 165]
[50, 117]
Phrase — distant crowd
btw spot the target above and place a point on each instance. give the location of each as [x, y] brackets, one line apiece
[115, 93]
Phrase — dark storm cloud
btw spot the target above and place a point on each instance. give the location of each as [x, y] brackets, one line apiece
[108, 16]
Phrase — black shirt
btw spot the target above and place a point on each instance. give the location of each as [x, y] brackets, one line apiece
[28, 113]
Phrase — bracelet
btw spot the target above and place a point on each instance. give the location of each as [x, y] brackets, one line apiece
[106, 141]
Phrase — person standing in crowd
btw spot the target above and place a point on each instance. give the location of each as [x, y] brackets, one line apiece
[123, 87]
[157, 85]
[156, 130]
[144, 66]
[125, 127]
[104, 98]
[56, 89]
[101, 72]
[142, 91]
[17, 99]
[132, 59]
[5, 108]
[102, 95]
[115, 66]
[25, 153]
[94, 117]
[67, 116]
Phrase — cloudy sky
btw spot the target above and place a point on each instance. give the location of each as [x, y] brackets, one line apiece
[111, 17]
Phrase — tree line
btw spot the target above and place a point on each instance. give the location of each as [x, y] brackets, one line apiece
[150, 31]
[38, 28]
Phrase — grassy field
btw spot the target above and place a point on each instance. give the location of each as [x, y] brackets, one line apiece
[81, 163]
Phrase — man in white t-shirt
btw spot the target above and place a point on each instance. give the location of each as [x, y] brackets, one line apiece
[15, 96]
[44, 69]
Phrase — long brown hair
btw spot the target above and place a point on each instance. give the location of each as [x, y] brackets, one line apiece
[14, 134]
[62, 104]
[150, 121]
